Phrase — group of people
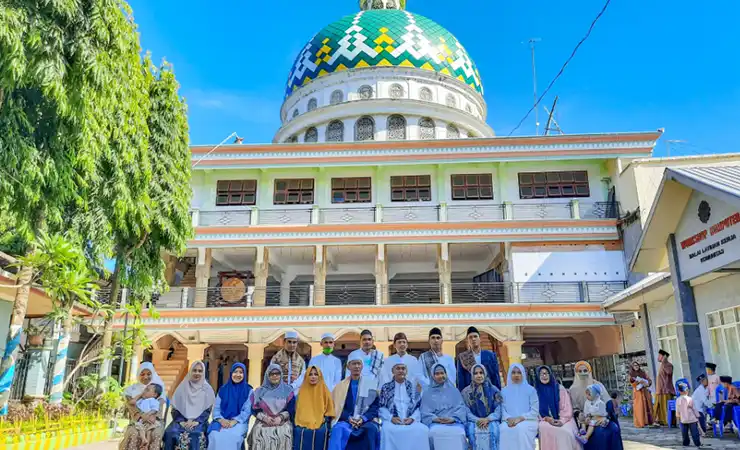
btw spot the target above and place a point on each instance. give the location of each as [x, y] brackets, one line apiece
[694, 410]
[430, 403]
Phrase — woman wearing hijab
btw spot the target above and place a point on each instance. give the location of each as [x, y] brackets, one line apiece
[231, 412]
[313, 413]
[191, 406]
[557, 427]
[583, 379]
[642, 400]
[483, 400]
[444, 412]
[273, 404]
[607, 437]
[520, 411]
[131, 438]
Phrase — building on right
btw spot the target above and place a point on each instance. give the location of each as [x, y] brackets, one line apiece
[681, 236]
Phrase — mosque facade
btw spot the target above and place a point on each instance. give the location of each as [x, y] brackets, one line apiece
[386, 202]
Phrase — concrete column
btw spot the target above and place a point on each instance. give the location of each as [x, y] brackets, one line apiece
[381, 276]
[513, 351]
[195, 352]
[261, 269]
[38, 367]
[213, 363]
[445, 273]
[202, 275]
[319, 275]
[384, 346]
[316, 348]
[159, 355]
[136, 357]
[647, 338]
[285, 281]
[687, 319]
[256, 352]
[575, 209]
[448, 348]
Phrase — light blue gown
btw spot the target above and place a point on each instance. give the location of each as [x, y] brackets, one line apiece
[231, 438]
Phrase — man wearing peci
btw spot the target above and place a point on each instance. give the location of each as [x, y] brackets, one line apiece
[330, 365]
[428, 359]
[476, 355]
[290, 361]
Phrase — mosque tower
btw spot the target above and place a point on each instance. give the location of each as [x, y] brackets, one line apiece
[383, 74]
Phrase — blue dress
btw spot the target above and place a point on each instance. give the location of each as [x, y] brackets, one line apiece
[306, 439]
[231, 438]
[178, 438]
[605, 438]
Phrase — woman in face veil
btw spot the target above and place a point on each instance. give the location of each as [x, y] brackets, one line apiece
[520, 411]
[273, 405]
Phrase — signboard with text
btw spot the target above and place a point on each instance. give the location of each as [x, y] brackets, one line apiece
[708, 236]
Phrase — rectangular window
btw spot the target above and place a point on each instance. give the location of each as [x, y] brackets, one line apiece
[472, 187]
[293, 192]
[351, 190]
[724, 337]
[411, 188]
[236, 192]
[554, 184]
[668, 341]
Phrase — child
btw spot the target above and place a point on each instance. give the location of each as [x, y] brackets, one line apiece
[148, 405]
[687, 416]
[595, 410]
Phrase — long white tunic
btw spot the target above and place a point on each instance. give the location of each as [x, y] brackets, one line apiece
[413, 367]
[519, 401]
[400, 437]
[330, 366]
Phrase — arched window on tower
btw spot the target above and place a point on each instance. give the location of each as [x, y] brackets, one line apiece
[468, 109]
[390, 4]
[426, 94]
[377, 4]
[452, 132]
[291, 140]
[312, 135]
[335, 131]
[365, 129]
[396, 90]
[366, 92]
[396, 128]
[337, 97]
[451, 101]
[295, 113]
[426, 128]
[312, 104]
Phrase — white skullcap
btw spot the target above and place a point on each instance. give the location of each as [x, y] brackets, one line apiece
[291, 335]
[327, 336]
[356, 357]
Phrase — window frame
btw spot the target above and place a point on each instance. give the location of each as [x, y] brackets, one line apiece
[357, 187]
[479, 185]
[415, 187]
[242, 192]
[301, 191]
[543, 185]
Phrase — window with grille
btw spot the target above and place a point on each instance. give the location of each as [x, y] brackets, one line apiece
[554, 184]
[291, 140]
[351, 190]
[335, 131]
[293, 192]
[472, 187]
[365, 129]
[452, 132]
[396, 90]
[295, 113]
[396, 128]
[312, 104]
[426, 128]
[337, 97]
[451, 101]
[236, 192]
[312, 135]
[366, 92]
[411, 188]
[426, 94]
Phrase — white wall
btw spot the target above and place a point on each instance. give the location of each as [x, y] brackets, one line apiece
[568, 266]
[717, 294]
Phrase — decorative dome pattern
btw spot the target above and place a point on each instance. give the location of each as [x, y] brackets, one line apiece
[383, 38]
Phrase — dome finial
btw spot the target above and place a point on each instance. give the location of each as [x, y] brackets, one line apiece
[367, 5]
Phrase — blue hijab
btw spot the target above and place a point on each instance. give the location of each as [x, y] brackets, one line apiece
[549, 395]
[481, 399]
[233, 396]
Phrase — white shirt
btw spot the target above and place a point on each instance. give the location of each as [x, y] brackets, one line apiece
[331, 369]
[366, 362]
[147, 405]
[413, 369]
[701, 399]
[401, 400]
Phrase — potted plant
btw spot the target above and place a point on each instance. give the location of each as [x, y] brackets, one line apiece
[35, 335]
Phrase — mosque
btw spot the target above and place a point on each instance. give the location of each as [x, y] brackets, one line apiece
[386, 202]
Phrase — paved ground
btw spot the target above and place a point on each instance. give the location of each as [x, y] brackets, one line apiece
[634, 439]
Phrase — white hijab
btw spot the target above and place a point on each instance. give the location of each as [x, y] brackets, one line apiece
[517, 395]
[193, 397]
[138, 387]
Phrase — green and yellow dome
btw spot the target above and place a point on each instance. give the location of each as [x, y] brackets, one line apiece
[383, 38]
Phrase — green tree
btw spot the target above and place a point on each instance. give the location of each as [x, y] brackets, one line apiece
[71, 96]
[162, 224]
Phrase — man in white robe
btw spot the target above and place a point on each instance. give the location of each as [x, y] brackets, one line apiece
[399, 408]
[330, 365]
[428, 359]
[414, 375]
[372, 358]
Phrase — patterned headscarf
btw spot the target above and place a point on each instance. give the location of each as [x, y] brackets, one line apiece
[272, 398]
[481, 399]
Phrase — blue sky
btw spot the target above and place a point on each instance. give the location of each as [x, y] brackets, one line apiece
[647, 65]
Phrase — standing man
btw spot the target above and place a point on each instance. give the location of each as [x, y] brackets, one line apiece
[664, 389]
[713, 382]
[401, 344]
[428, 359]
[291, 363]
[356, 406]
[372, 358]
[475, 355]
[330, 365]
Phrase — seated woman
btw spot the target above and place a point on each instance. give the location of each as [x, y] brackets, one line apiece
[191, 406]
[607, 437]
[483, 400]
[231, 412]
[520, 411]
[131, 438]
[557, 426]
[444, 412]
[313, 413]
[273, 404]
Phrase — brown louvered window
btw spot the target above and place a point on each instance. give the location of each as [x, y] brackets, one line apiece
[293, 192]
[472, 187]
[411, 188]
[565, 184]
[236, 192]
[351, 190]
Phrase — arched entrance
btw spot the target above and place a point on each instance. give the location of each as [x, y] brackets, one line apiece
[219, 359]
